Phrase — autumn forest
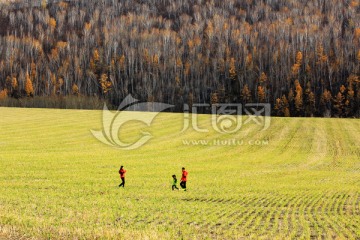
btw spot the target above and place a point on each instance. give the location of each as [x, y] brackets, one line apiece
[301, 56]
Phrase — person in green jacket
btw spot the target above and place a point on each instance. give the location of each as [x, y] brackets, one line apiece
[174, 182]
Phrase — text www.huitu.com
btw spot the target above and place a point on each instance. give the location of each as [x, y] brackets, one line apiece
[225, 142]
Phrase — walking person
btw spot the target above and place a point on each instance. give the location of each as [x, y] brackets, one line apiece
[183, 179]
[174, 183]
[122, 172]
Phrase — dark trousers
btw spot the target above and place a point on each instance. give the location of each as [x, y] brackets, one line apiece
[183, 184]
[122, 182]
[174, 186]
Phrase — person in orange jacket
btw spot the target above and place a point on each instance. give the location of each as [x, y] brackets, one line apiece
[183, 179]
[122, 172]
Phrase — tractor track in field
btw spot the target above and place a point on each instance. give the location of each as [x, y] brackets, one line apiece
[318, 149]
[308, 215]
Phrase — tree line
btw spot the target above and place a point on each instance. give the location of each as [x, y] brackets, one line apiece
[301, 56]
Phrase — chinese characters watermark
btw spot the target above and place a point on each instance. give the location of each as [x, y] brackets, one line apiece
[226, 118]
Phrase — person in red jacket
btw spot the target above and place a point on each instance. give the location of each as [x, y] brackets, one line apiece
[183, 179]
[122, 172]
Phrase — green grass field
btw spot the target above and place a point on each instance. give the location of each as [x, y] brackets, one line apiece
[58, 182]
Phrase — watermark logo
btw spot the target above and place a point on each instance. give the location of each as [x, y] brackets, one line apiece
[258, 113]
[226, 142]
[228, 118]
[112, 122]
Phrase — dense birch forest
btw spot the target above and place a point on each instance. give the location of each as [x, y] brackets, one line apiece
[301, 56]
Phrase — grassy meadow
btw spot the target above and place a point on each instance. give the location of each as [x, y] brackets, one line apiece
[301, 180]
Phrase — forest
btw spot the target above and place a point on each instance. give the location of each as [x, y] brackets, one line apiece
[301, 56]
